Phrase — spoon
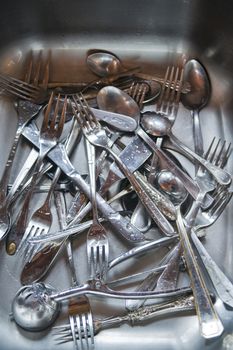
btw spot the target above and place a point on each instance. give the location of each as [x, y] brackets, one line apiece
[33, 309]
[172, 186]
[159, 126]
[196, 75]
[104, 64]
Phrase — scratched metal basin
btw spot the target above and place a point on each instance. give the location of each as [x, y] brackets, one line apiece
[152, 34]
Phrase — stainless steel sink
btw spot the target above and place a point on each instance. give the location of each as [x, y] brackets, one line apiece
[152, 33]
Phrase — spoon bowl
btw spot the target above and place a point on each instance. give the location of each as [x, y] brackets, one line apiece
[155, 124]
[104, 64]
[172, 186]
[33, 309]
[196, 75]
[115, 100]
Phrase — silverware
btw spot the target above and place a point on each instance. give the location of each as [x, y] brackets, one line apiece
[63, 333]
[41, 220]
[49, 135]
[59, 156]
[79, 310]
[26, 111]
[196, 99]
[97, 240]
[105, 101]
[98, 137]
[210, 324]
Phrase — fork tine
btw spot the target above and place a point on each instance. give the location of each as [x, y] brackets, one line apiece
[19, 83]
[89, 114]
[178, 92]
[85, 329]
[217, 157]
[225, 156]
[212, 156]
[72, 328]
[172, 92]
[37, 69]
[55, 114]
[46, 72]
[27, 235]
[131, 91]
[206, 155]
[47, 112]
[161, 98]
[84, 116]
[28, 74]
[63, 116]
[30, 251]
[165, 104]
[91, 328]
[220, 204]
[79, 339]
[22, 92]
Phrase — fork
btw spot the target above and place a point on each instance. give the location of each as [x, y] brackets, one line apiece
[41, 219]
[218, 157]
[97, 241]
[51, 130]
[26, 111]
[143, 314]
[79, 309]
[29, 88]
[40, 222]
[168, 102]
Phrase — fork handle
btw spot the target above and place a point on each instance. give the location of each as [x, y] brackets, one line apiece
[18, 228]
[7, 170]
[221, 283]
[59, 156]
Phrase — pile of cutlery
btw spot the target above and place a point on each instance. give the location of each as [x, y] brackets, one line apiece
[136, 186]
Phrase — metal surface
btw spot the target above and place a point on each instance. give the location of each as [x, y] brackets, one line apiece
[151, 34]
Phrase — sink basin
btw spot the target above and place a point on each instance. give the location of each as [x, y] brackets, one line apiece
[152, 34]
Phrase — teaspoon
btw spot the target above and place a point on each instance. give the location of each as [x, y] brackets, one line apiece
[196, 75]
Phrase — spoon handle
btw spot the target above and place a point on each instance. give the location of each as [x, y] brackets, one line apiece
[210, 323]
[197, 135]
